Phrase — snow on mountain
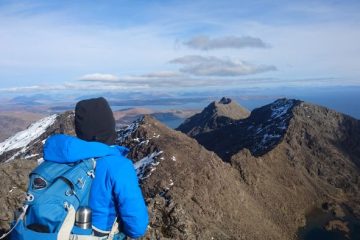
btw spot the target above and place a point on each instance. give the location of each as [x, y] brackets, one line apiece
[22, 139]
[145, 166]
[270, 132]
[146, 158]
[281, 107]
[259, 133]
[127, 131]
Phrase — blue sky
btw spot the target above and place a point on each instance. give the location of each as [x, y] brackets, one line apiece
[172, 45]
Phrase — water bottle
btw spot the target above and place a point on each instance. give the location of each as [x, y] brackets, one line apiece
[83, 218]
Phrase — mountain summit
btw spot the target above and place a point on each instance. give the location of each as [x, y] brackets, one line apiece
[214, 116]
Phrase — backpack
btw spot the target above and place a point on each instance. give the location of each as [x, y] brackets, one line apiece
[55, 192]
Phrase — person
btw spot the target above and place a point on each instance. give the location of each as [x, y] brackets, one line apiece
[115, 192]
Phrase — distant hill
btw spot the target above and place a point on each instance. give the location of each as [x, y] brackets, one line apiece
[171, 118]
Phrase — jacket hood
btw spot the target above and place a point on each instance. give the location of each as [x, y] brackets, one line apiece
[67, 149]
[94, 121]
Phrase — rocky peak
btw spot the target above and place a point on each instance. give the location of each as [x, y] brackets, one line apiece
[225, 100]
[214, 116]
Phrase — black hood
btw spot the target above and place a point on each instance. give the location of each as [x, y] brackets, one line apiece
[94, 121]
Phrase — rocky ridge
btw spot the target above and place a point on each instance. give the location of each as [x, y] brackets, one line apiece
[27, 144]
[237, 191]
[187, 188]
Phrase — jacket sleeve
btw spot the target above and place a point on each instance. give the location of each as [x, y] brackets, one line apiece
[129, 200]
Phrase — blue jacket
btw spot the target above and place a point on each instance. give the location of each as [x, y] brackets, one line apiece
[115, 187]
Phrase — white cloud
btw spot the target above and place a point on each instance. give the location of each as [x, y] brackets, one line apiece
[162, 74]
[214, 66]
[33, 88]
[177, 84]
[131, 79]
[89, 86]
[103, 77]
[205, 43]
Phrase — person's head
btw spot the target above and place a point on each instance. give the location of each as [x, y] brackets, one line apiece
[94, 121]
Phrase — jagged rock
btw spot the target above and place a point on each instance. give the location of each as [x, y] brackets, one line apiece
[338, 225]
[14, 178]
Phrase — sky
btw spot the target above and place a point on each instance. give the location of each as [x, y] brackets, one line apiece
[175, 45]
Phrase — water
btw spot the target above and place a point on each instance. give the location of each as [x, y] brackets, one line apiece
[173, 123]
[342, 99]
[318, 218]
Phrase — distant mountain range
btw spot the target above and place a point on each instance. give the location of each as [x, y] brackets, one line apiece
[171, 118]
[268, 174]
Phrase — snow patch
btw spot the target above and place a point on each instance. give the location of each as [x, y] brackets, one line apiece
[145, 166]
[173, 158]
[23, 138]
[155, 135]
[146, 142]
[258, 130]
[125, 133]
[281, 107]
[170, 185]
[267, 140]
[31, 156]
[269, 137]
[12, 189]
[40, 160]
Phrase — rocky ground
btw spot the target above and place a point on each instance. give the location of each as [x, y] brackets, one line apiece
[14, 180]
